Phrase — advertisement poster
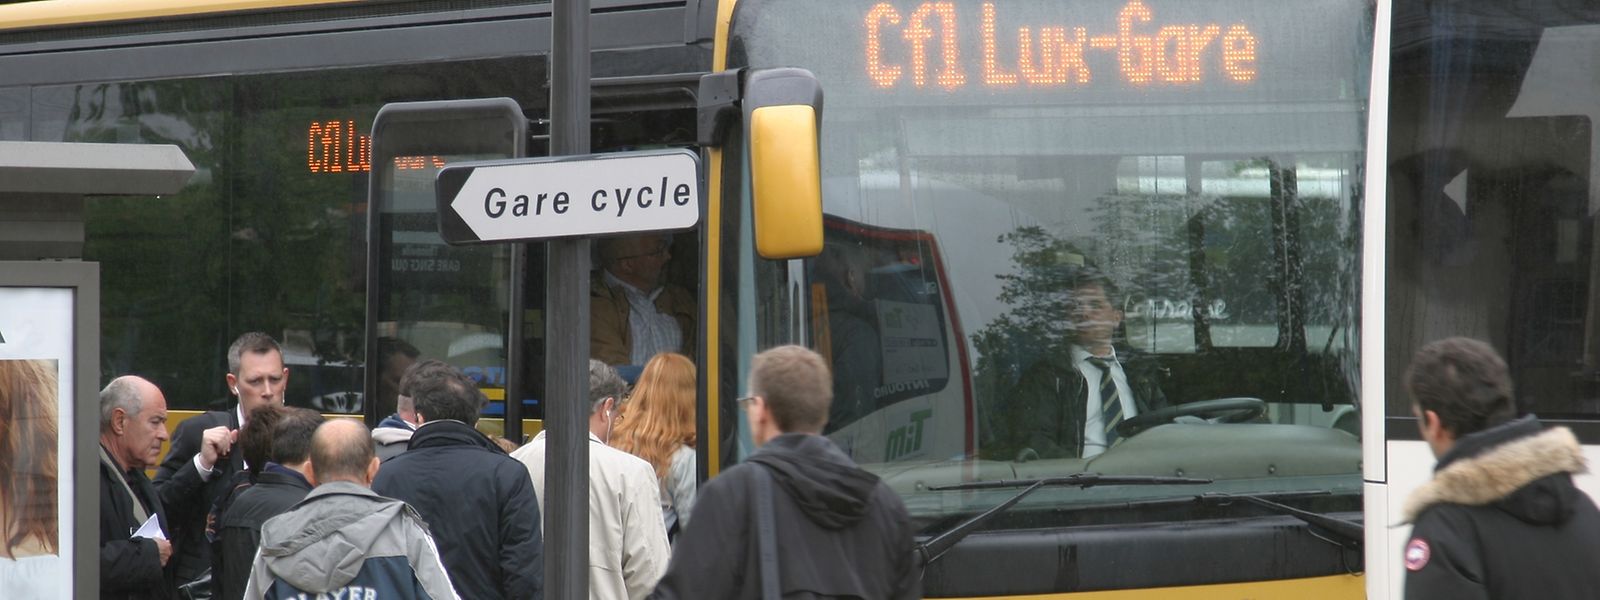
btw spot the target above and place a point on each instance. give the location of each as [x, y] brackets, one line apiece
[36, 486]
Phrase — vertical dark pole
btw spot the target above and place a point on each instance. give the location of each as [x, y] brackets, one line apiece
[566, 550]
[515, 355]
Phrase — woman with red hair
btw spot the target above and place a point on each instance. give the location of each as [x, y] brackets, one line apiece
[657, 425]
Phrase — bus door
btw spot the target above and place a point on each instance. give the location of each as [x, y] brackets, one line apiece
[428, 299]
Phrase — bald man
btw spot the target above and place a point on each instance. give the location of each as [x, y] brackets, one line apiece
[344, 541]
[133, 424]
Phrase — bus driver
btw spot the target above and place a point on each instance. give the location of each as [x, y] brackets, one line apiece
[1072, 404]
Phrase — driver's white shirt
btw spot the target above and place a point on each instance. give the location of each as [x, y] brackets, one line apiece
[1094, 436]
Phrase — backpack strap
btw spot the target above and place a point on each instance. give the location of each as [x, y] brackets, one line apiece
[765, 528]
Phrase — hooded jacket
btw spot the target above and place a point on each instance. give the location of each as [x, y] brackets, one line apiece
[479, 504]
[842, 533]
[1502, 519]
[391, 436]
[347, 542]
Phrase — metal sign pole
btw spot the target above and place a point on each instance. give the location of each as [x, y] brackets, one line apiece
[566, 548]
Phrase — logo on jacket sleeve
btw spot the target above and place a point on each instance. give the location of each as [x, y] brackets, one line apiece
[1417, 554]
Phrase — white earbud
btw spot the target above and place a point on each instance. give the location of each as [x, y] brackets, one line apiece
[236, 390]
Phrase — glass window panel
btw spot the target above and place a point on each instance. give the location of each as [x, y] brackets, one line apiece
[269, 234]
[990, 224]
[14, 114]
[1492, 194]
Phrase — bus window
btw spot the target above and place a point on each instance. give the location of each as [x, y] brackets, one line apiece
[1069, 258]
[878, 318]
[1492, 199]
[270, 233]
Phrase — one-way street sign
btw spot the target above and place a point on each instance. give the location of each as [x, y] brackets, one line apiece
[529, 199]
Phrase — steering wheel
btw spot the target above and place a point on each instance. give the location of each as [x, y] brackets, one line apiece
[1222, 410]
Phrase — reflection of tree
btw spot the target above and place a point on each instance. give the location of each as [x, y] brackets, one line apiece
[1037, 292]
[250, 244]
[1264, 257]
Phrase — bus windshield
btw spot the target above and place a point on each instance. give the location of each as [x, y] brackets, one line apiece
[1113, 236]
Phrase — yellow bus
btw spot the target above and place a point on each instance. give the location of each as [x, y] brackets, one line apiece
[1202, 159]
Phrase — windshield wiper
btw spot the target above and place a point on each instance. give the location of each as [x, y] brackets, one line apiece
[936, 547]
[1351, 535]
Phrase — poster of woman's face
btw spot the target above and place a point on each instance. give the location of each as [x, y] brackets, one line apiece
[37, 487]
[29, 427]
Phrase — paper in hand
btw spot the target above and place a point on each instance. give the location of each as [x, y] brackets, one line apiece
[151, 529]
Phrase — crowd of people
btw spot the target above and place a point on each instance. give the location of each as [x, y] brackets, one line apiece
[269, 501]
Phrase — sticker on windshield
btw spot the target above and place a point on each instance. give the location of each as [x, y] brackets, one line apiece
[1417, 554]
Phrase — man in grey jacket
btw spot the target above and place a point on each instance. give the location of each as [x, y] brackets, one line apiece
[344, 541]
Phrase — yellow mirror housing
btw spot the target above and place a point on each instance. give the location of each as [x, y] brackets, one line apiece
[786, 181]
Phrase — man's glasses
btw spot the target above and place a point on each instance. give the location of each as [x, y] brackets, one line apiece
[744, 403]
[659, 251]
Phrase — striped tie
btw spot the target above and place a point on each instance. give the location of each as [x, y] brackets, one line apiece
[1110, 402]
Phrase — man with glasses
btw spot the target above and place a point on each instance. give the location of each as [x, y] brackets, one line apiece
[833, 530]
[633, 313]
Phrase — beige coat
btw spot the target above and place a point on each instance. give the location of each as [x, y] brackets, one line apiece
[628, 549]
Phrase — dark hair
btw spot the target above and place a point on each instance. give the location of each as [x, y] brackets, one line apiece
[796, 386]
[1464, 381]
[388, 350]
[255, 438]
[254, 342]
[388, 347]
[443, 392]
[426, 368]
[291, 437]
[1093, 277]
[341, 455]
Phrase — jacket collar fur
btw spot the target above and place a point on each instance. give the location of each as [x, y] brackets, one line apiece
[1483, 476]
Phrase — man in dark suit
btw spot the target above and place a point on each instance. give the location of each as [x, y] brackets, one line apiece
[1071, 404]
[257, 376]
[133, 424]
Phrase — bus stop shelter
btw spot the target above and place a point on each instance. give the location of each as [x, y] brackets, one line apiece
[50, 307]
[43, 186]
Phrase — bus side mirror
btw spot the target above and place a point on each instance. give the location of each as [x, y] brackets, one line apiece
[782, 114]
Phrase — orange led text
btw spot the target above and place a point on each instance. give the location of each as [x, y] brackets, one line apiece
[924, 48]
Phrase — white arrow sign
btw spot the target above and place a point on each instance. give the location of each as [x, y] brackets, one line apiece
[568, 196]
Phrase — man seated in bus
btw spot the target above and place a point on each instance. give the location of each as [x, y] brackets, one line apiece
[1071, 401]
[633, 313]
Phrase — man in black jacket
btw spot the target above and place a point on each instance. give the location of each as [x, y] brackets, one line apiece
[133, 424]
[257, 376]
[281, 484]
[1069, 405]
[840, 531]
[478, 502]
[1501, 517]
